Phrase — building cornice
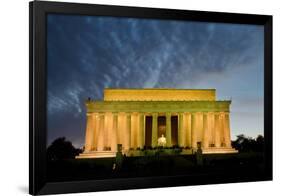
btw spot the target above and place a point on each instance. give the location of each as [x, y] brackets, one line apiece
[158, 106]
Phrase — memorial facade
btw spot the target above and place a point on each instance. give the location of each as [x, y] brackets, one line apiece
[137, 118]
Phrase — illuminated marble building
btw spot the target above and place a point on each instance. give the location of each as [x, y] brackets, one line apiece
[137, 118]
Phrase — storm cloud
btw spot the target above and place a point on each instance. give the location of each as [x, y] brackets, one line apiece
[86, 54]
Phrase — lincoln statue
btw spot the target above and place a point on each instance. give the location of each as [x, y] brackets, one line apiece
[150, 118]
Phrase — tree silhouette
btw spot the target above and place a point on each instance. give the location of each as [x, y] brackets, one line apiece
[247, 144]
[62, 149]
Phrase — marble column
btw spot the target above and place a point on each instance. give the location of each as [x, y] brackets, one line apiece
[217, 130]
[141, 131]
[101, 133]
[188, 129]
[133, 136]
[110, 131]
[128, 132]
[193, 131]
[221, 128]
[184, 127]
[114, 132]
[89, 132]
[107, 127]
[144, 128]
[94, 136]
[199, 126]
[180, 132]
[227, 130]
[205, 143]
[168, 130]
[154, 129]
[120, 128]
[97, 131]
[211, 127]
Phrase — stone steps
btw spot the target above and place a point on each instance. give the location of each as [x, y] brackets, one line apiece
[214, 150]
[96, 154]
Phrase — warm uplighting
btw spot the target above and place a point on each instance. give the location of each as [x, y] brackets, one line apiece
[137, 118]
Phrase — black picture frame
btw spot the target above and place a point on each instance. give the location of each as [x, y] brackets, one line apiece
[38, 11]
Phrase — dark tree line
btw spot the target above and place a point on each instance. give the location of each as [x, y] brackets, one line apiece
[62, 149]
[248, 144]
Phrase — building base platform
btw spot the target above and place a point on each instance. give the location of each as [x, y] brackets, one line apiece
[214, 150]
[96, 154]
[136, 153]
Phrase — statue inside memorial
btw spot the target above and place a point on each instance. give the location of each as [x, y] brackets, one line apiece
[162, 141]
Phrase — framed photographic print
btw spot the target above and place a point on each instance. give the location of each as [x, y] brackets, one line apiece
[128, 98]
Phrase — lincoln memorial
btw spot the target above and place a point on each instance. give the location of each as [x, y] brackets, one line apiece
[149, 118]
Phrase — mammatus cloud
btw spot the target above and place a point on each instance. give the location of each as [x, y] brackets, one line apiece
[86, 54]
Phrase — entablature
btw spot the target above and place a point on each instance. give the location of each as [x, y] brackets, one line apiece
[158, 106]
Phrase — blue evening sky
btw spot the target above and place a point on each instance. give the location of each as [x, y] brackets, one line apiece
[86, 54]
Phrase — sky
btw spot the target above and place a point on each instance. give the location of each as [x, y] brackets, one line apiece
[86, 54]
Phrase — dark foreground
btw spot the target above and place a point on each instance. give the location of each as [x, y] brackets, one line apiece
[235, 165]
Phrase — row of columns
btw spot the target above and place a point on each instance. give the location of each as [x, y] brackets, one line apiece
[105, 130]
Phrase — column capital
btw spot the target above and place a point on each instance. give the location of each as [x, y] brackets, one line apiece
[133, 113]
[98, 115]
[216, 113]
[129, 113]
[115, 113]
[168, 114]
[155, 114]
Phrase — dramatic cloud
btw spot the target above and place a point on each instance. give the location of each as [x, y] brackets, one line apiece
[87, 54]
